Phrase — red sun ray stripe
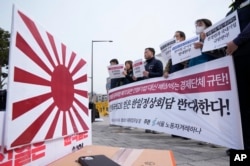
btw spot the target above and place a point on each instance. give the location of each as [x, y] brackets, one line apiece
[64, 126]
[83, 124]
[23, 106]
[63, 53]
[81, 92]
[21, 75]
[28, 135]
[72, 58]
[83, 107]
[28, 51]
[34, 31]
[73, 122]
[80, 64]
[81, 79]
[53, 45]
[52, 128]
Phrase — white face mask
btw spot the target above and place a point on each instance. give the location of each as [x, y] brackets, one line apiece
[200, 29]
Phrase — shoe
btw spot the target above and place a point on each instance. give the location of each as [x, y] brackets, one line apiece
[203, 143]
[214, 146]
[128, 128]
[228, 151]
[185, 138]
[155, 132]
[148, 131]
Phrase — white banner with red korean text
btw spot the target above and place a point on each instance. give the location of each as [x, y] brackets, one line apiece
[185, 50]
[219, 34]
[199, 102]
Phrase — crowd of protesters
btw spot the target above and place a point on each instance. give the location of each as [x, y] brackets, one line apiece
[239, 48]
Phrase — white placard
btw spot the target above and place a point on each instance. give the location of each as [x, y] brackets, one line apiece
[200, 102]
[47, 87]
[185, 50]
[166, 48]
[116, 71]
[224, 31]
[138, 68]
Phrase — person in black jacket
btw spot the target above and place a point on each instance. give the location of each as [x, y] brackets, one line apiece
[153, 66]
[128, 72]
[239, 48]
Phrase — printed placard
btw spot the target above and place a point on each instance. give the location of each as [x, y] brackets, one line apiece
[224, 31]
[138, 68]
[185, 50]
[166, 48]
[116, 71]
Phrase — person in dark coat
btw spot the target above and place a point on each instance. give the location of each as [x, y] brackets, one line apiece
[239, 48]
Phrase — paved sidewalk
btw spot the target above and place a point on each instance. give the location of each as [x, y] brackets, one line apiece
[186, 152]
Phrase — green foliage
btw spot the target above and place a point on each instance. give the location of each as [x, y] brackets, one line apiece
[4, 47]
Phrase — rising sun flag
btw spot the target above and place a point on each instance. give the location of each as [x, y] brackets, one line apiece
[47, 96]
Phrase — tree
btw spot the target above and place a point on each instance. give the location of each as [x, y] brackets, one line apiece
[4, 47]
[4, 55]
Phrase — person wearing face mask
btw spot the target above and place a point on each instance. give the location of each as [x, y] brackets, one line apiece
[179, 36]
[201, 25]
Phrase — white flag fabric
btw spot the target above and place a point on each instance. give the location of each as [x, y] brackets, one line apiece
[47, 88]
[138, 68]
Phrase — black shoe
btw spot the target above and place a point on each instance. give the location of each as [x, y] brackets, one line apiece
[228, 151]
[185, 138]
[148, 131]
[202, 143]
[155, 132]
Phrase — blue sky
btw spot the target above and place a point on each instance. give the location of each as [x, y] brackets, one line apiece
[132, 24]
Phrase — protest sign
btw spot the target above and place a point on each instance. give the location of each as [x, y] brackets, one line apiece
[138, 68]
[218, 35]
[185, 50]
[166, 48]
[115, 71]
[47, 113]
